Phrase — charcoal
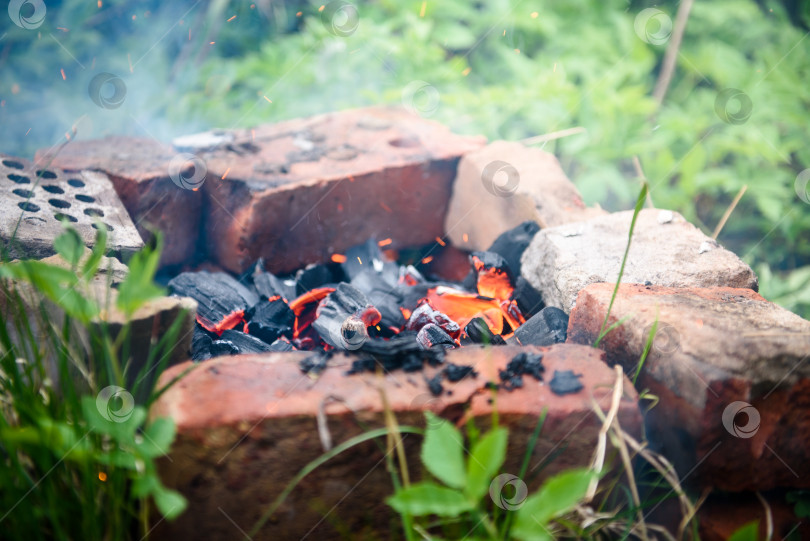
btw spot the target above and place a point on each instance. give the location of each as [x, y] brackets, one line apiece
[528, 299]
[315, 364]
[368, 256]
[315, 276]
[400, 352]
[269, 285]
[338, 314]
[479, 333]
[492, 260]
[281, 345]
[457, 372]
[200, 345]
[270, 320]
[565, 382]
[245, 343]
[522, 364]
[549, 326]
[425, 315]
[223, 347]
[511, 244]
[435, 385]
[386, 296]
[432, 335]
[217, 294]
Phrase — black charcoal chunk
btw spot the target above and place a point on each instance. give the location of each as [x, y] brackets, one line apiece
[339, 314]
[369, 257]
[479, 333]
[312, 277]
[223, 347]
[281, 345]
[432, 335]
[549, 326]
[386, 297]
[245, 343]
[315, 364]
[492, 260]
[457, 372]
[268, 320]
[400, 352]
[528, 299]
[200, 345]
[425, 314]
[269, 285]
[522, 364]
[217, 294]
[511, 244]
[565, 382]
[435, 385]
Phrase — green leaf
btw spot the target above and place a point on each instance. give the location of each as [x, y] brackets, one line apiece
[749, 532]
[120, 423]
[169, 502]
[70, 246]
[443, 451]
[485, 460]
[430, 499]
[557, 496]
[139, 286]
[157, 438]
[91, 265]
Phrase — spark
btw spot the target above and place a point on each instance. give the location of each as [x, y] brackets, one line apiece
[340, 207]
[134, 17]
[359, 260]
[535, 15]
[378, 328]
[422, 11]
[384, 242]
[225, 174]
[321, 8]
[504, 31]
[129, 59]
[555, 68]
[101, 475]
[299, 13]
[29, 131]
[232, 18]
[385, 207]
[268, 99]
[466, 71]
[427, 260]
[465, 238]
[211, 42]
[63, 29]
[338, 258]
[440, 241]
[99, 4]
[63, 75]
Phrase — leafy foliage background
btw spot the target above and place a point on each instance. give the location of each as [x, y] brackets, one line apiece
[507, 69]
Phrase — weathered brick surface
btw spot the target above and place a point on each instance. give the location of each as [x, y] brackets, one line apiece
[713, 347]
[723, 514]
[247, 425]
[139, 170]
[299, 191]
[666, 250]
[34, 199]
[530, 185]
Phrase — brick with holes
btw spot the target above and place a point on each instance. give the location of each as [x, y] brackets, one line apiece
[34, 200]
[141, 172]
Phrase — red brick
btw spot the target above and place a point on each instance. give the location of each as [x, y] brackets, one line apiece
[713, 347]
[247, 425]
[139, 171]
[299, 191]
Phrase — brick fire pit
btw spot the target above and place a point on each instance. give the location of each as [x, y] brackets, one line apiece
[733, 413]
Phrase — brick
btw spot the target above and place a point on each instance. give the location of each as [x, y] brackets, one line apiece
[299, 191]
[139, 169]
[716, 351]
[666, 250]
[247, 424]
[34, 199]
[723, 514]
[531, 186]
